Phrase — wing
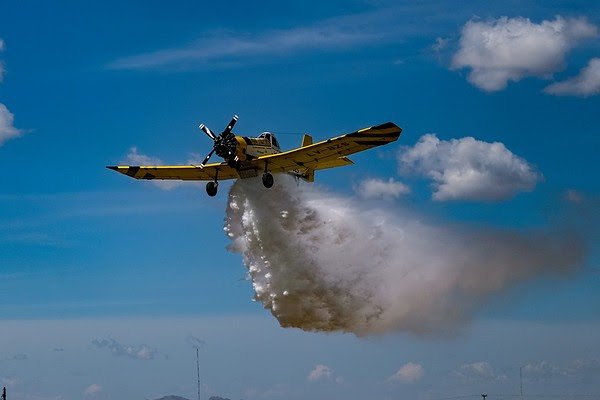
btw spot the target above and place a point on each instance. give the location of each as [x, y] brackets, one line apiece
[332, 152]
[179, 172]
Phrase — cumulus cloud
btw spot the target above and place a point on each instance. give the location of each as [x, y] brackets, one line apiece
[587, 83]
[509, 49]
[321, 262]
[141, 352]
[478, 371]
[409, 372]
[374, 188]
[320, 372]
[134, 157]
[92, 390]
[7, 128]
[469, 169]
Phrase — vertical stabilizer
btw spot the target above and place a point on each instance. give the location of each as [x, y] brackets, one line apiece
[307, 140]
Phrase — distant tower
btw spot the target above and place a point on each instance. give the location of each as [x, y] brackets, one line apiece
[197, 372]
[4, 394]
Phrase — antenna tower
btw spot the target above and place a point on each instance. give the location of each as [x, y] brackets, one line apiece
[198, 371]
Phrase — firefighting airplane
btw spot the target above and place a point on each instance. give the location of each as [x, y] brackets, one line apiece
[245, 157]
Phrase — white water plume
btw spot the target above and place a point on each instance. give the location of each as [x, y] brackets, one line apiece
[320, 262]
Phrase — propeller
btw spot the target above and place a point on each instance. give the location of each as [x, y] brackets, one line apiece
[224, 144]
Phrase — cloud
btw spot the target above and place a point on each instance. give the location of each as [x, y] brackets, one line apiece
[409, 372]
[580, 369]
[9, 382]
[141, 352]
[233, 49]
[478, 371]
[509, 49]
[195, 342]
[469, 169]
[92, 390]
[136, 158]
[574, 196]
[587, 83]
[375, 188]
[2, 47]
[7, 128]
[320, 372]
[322, 262]
[440, 44]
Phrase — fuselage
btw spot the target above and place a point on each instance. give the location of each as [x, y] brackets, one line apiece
[247, 148]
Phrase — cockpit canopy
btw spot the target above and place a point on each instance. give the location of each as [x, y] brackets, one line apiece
[271, 138]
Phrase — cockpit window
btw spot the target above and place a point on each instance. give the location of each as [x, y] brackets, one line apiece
[274, 141]
[270, 137]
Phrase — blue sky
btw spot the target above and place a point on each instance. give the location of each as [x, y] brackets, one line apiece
[88, 254]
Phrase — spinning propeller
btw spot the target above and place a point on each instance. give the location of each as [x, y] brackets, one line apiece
[224, 144]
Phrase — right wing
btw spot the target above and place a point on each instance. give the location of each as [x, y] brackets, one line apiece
[331, 152]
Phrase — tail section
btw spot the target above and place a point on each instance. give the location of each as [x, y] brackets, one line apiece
[307, 140]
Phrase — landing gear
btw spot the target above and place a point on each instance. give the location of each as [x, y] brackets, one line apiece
[268, 180]
[211, 188]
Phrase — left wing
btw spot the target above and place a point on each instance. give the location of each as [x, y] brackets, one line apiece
[209, 172]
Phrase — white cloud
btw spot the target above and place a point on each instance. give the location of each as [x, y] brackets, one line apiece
[136, 158]
[440, 44]
[374, 188]
[574, 196]
[509, 49]
[141, 352]
[7, 129]
[580, 368]
[320, 372]
[409, 372]
[92, 390]
[478, 371]
[469, 169]
[9, 382]
[229, 48]
[587, 83]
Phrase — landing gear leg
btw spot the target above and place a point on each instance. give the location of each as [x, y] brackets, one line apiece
[211, 188]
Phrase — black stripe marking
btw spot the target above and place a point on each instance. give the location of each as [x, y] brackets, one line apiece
[131, 171]
[370, 142]
[374, 135]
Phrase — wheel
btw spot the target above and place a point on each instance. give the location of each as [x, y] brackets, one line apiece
[267, 179]
[211, 188]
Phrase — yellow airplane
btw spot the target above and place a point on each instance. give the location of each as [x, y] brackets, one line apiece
[245, 157]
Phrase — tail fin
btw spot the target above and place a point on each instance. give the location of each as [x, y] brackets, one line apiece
[307, 140]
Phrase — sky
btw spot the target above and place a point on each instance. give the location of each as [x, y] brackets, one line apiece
[108, 285]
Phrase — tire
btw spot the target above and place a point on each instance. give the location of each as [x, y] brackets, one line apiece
[268, 180]
[211, 188]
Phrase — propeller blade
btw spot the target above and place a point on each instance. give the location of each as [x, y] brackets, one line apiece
[208, 132]
[227, 130]
[207, 158]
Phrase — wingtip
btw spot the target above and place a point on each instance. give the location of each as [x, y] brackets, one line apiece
[113, 167]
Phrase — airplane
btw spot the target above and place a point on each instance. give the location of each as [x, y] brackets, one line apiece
[244, 157]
